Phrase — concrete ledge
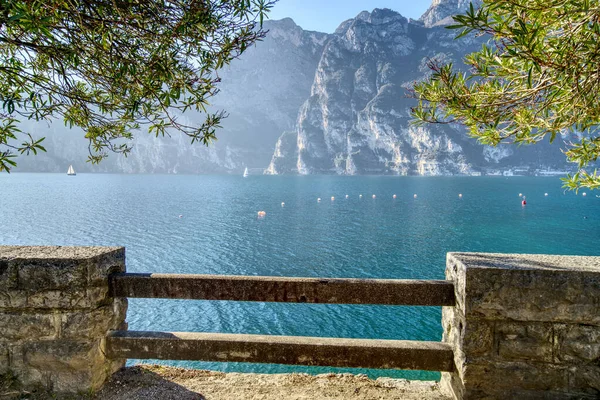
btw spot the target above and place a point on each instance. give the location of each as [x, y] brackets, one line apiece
[333, 352]
[283, 289]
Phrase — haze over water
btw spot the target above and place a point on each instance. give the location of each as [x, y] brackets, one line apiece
[219, 233]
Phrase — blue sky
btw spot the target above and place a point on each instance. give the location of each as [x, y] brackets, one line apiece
[326, 15]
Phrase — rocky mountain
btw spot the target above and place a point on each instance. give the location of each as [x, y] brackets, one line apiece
[305, 102]
[261, 92]
[357, 117]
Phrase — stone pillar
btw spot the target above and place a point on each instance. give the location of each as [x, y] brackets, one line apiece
[524, 326]
[55, 311]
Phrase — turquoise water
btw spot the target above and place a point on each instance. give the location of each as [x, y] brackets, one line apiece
[219, 233]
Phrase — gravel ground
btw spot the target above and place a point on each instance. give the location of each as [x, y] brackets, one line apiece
[157, 382]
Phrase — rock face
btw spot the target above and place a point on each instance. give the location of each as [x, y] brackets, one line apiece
[357, 118]
[441, 11]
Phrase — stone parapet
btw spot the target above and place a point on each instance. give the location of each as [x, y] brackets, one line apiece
[55, 312]
[524, 326]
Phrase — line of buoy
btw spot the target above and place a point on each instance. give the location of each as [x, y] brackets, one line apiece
[262, 214]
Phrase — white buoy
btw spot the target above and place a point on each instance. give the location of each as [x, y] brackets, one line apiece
[180, 216]
[584, 194]
[346, 196]
[360, 196]
[332, 198]
[546, 194]
[460, 195]
[415, 195]
[520, 194]
[394, 196]
[374, 196]
[283, 204]
[318, 200]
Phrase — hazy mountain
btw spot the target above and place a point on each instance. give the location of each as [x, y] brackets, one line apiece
[261, 91]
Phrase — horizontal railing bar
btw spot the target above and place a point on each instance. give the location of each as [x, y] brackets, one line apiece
[284, 289]
[292, 350]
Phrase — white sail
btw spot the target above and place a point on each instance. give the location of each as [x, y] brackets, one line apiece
[246, 172]
[71, 171]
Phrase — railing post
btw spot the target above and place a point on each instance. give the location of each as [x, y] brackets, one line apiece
[55, 312]
[524, 326]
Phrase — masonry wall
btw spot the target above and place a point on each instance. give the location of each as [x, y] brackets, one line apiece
[55, 311]
[524, 326]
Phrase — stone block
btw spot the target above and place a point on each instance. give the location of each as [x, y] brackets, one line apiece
[528, 287]
[585, 379]
[70, 366]
[12, 298]
[578, 344]
[50, 274]
[525, 341]
[15, 327]
[493, 377]
[112, 260]
[95, 323]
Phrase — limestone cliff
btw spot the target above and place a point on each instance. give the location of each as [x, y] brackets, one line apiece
[357, 117]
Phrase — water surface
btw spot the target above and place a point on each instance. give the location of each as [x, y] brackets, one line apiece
[219, 233]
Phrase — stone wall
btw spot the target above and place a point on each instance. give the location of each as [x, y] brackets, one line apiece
[55, 311]
[524, 326]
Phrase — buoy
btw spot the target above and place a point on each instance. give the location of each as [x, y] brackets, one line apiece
[332, 198]
[346, 196]
[180, 216]
[460, 195]
[360, 196]
[546, 194]
[415, 195]
[319, 200]
[282, 204]
[524, 202]
[520, 194]
[261, 214]
[394, 196]
[584, 194]
[374, 196]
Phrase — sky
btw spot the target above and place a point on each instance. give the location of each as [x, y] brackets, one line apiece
[326, 15]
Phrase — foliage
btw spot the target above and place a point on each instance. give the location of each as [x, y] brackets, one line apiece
[112, 67]
[536, 77]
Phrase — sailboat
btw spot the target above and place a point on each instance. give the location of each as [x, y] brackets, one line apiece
[71, 171]
[245, 172]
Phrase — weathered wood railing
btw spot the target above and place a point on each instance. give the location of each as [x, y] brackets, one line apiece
[335, 352]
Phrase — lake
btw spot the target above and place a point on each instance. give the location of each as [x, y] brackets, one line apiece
[209, 224]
